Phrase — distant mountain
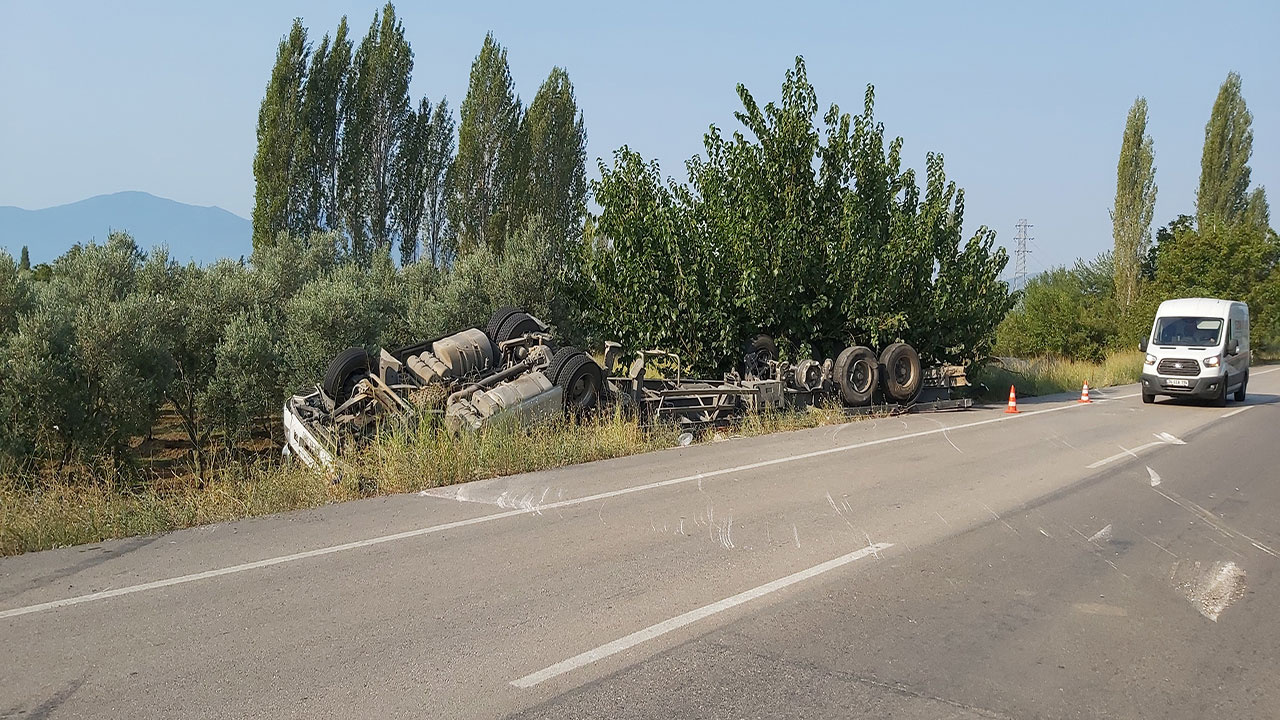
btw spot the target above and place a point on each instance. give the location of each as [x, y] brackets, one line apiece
[192, 232]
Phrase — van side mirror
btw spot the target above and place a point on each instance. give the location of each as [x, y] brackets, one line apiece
[1233, 347]
[1142, 344]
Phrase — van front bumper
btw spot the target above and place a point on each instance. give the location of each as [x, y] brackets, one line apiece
[1197, 387]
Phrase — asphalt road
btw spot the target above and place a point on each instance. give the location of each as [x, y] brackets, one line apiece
[1105, 560]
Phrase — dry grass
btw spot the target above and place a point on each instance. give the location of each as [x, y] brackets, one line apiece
[1049, 375]
[58, 512]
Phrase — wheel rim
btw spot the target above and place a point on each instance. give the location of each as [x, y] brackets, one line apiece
[902, 371]
[581, 389]
[860, 376]
[757, 363]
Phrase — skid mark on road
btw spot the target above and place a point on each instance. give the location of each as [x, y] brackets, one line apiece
[493, 517]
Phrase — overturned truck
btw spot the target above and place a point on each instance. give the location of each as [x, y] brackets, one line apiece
[514, 372]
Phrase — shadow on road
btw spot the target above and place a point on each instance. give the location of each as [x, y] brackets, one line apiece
[1250, 399]
[96, 556]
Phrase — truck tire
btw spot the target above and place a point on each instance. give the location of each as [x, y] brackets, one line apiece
[756, 355]
[495, 323]
[518, 324]
[1148, 398]
[1221, 400]
[343, 373]
[581, 379]
[900, 374]
[558, 361]
[855, 373]
[1240, 393]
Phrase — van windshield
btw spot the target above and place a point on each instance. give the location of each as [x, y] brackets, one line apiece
[1188, 331]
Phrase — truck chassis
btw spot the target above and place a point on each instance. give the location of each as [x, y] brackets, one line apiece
[514, 373]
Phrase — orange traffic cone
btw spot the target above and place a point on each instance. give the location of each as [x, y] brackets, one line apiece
[1084, 394]
[1013, 402]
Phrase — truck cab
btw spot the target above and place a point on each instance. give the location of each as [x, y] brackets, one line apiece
[1198, 347]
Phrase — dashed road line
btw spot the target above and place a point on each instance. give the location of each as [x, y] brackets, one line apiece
[629, 641]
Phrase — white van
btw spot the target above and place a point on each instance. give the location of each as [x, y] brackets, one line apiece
[1198, 347]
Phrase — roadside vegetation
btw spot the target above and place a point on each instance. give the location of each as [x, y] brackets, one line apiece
[1049, 375]
[56, 510]
[138, 394]
[1085, 321]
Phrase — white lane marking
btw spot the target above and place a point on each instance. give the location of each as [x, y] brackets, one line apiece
[679, 621]
[1166, 437]
[418, 532]
[1127, 453]
[1155, 477]
[1237, 411]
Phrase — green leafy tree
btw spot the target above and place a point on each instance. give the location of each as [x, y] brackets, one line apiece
[411, 180]
[818, 238]
[346, 306]
[1226, 261]
[275, 170]
[319, 139]
[435, 170]
[16, 294]
[205, 301]
[1065, 313]
[485, 176]
[557, 157]
[1134, 205]
[1223, 196]
[244, 383]
[88, 361]
[24, 262]
[375, 115]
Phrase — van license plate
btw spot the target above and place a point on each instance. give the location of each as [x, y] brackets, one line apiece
[1178, 383]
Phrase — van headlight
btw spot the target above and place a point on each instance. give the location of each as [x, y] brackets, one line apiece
[1212, 362]
[1151, 359]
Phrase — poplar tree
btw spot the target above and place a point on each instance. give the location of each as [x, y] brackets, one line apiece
[435, 168]
[24, 260]
[485, 175]
[425, 155]
[317, 206]
[410, 187]
[1134, 205]
[274, 169]
[1224, 164]
[375, 114]
[557, 175]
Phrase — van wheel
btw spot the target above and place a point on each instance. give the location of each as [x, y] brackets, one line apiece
[1221, 400]
[1239, 396]
[1148, 398]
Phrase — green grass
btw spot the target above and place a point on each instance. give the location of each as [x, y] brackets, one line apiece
[56, 511]
[1047, 376]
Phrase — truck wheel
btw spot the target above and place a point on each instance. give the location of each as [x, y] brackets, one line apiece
[580, 378]
[558, 361]
[495, 323]
[1221, 400]
[902, 376]
[756, 356]
[1148, 398]
[517, 324]
[856, 372]
[343, 373]
[1239, 396]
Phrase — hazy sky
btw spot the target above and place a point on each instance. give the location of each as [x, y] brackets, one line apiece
[1026, 102]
